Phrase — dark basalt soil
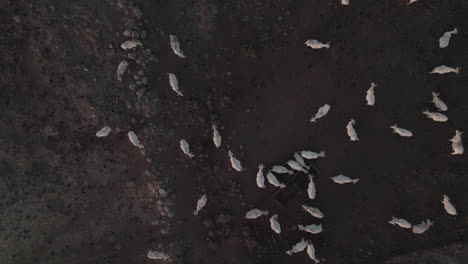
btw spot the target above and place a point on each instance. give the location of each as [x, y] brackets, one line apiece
[69, 197]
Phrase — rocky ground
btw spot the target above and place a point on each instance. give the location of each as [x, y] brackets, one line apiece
[67, 196]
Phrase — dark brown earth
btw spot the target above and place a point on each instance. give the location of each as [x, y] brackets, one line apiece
[69, 197]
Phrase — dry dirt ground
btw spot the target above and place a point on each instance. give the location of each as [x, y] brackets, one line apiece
[69, 197]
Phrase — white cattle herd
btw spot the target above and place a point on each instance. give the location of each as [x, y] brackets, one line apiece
[297, 163]
[370, 94]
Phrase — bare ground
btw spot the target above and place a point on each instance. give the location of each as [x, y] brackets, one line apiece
[68, 197]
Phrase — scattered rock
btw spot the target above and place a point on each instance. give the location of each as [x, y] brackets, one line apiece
[17, 19]
[248, 51]
[131, 24]
[132, 86]
[250, 244]
[144, 80]
[222, 219]
[132, 56]
[153, 58]
[117, 246]
[224, 231]
[211, 245]
[135, 34]
[121, 3]
[144, 34]
[207, 222]
[141, 92]
[162, 192]
[246, 232]
[170, 214]
[211, 234]
[127, 33]
[164, 231]
[159, 206]
[137, 12]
